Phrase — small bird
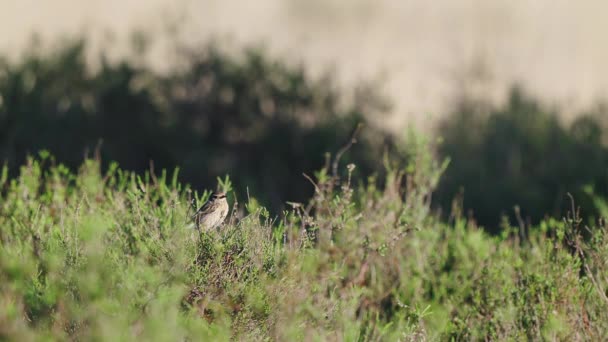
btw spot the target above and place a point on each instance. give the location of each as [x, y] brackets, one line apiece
[213, 213]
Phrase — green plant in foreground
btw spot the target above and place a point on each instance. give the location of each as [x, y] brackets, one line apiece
[88, 255]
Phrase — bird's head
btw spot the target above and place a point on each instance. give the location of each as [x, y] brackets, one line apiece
[218, 195]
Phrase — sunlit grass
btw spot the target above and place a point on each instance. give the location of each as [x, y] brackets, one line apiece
[92, 255]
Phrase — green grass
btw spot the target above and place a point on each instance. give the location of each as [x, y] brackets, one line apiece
[92, 256]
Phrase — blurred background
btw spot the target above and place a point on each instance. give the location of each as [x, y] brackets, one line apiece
[262, 90]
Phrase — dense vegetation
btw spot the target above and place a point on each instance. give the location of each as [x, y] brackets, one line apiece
[355, 251]
[108, 256]
[261, 120]
[265, 121]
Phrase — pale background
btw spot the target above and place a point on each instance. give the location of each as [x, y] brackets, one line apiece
[421, 50]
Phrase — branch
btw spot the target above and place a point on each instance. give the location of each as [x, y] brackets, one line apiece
[353, 140]
[312, 182]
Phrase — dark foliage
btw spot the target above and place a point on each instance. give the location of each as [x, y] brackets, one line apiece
[259, 120]
[265, 122]
[521, 155]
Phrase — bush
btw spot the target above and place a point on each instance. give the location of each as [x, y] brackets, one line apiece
[261, 119]
[521, 155]
[107, 255]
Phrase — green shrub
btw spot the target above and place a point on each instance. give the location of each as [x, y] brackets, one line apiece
[109, 256]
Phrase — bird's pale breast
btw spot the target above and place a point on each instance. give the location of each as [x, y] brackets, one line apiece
[214, 218]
